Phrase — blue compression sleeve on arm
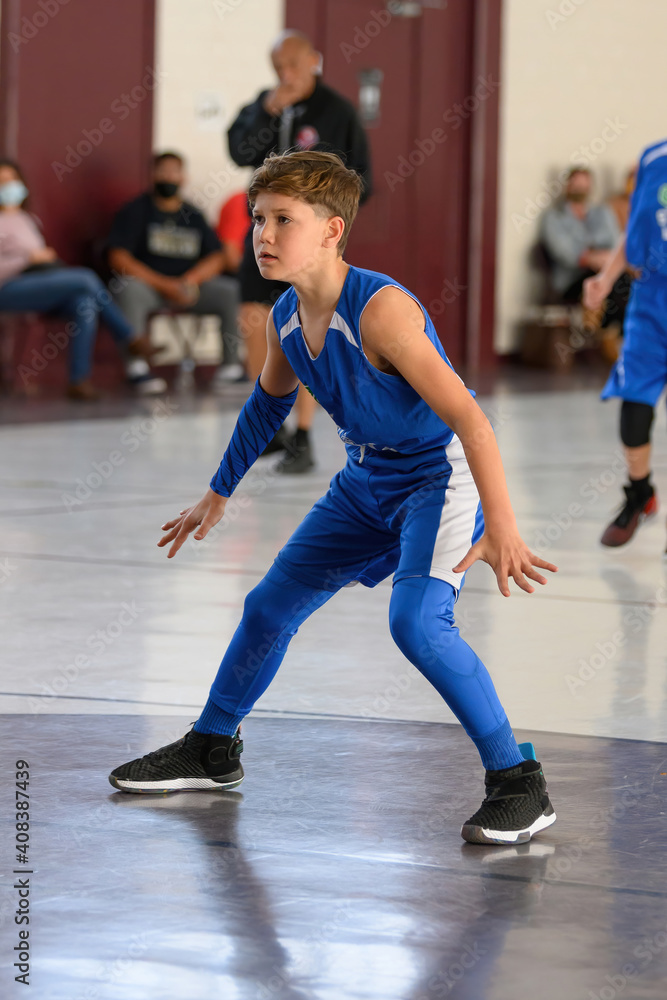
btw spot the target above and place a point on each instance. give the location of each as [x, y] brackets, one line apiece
[258, 421]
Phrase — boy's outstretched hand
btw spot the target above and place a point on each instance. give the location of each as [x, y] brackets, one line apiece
[204, 515]
[507, 555]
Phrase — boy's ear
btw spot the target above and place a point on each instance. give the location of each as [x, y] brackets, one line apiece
[333, 232]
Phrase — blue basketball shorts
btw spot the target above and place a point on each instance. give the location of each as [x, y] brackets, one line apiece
[411, 515]
[640, 374]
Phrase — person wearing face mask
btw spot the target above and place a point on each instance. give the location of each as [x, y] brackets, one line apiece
[578, 237]
[170, 256]
[299, 113]
[32, 278]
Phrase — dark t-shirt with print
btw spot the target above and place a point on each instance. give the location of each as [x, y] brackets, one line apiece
[168, 242]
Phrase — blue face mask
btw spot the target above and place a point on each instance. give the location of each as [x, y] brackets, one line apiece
[13, 193]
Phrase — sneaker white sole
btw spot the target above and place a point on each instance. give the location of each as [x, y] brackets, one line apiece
[478, 835]
[151, 387]
[228, 373]
[172, 785]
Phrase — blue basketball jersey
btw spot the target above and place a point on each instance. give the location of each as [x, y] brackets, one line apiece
[646, 241]
[372, 410]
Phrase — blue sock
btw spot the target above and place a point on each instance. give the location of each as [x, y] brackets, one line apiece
[499, 749]
[215, 720]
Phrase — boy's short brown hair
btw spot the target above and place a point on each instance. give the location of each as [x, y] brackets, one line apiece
[320, 179]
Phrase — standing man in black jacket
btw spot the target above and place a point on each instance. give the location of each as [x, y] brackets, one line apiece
[301, 112]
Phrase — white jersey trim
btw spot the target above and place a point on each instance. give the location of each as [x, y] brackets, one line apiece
[654, 154]
[338, 323]
[457, 519]
[427, 318]
[291, 324]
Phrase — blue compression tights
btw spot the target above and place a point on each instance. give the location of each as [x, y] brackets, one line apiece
[421, 619]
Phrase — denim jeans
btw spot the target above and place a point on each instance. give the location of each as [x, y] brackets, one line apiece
[77, 294]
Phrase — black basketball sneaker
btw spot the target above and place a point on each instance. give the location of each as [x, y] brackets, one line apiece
[516, 806]
[196, 761]
[640, 504]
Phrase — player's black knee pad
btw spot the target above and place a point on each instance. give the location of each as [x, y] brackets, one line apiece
[636, 421]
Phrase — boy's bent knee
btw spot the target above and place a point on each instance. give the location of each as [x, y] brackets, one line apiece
[421, 618]
[279, 603]
[259, 608]
[405, 616]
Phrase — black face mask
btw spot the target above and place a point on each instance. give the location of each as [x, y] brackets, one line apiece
[165, 189]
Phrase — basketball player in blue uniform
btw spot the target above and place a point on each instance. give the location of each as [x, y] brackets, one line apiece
[421, 456]
[640, 374]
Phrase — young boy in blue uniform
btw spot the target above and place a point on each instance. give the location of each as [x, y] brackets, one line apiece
[420, 455]
[640, 374]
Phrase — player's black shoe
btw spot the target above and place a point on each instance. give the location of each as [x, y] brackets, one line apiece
[278, 442]
[516, 806]
[196, 761]
[298, 457]
[639, 505]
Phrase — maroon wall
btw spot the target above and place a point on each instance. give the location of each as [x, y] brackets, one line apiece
[76, 106]
[431, 220]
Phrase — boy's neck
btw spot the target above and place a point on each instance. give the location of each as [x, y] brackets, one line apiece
[319, 291]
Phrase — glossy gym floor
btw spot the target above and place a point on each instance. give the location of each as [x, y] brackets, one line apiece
[336, 871]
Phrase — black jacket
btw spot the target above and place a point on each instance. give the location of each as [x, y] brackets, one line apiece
[325, 116]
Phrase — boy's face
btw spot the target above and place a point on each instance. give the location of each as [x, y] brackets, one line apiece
[290, 237]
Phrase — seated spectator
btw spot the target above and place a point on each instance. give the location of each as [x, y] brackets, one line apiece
[32, 278]
[170, 255]
[620, 203]
[617, 303]
[578, 237]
